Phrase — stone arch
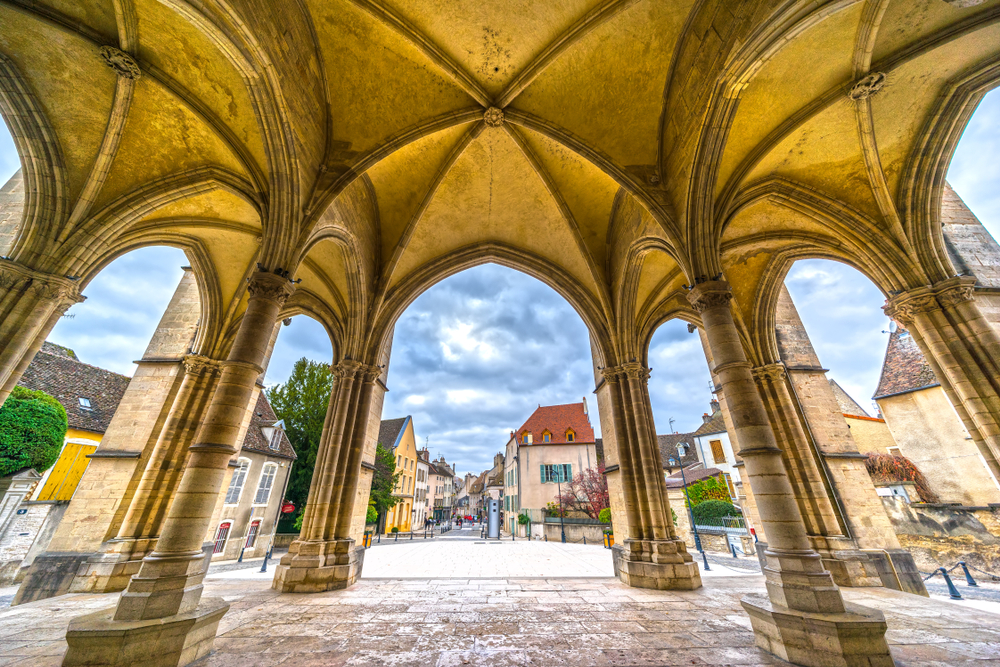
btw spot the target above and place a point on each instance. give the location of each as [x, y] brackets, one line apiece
[922, 187]
[401, 296]
[209, 291]
[43, 170]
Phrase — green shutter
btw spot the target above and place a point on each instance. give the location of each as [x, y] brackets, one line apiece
[542, 468]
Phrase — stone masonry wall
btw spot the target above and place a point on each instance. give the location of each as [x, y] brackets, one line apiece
[941, 535]
[19, 536]
[11, 211]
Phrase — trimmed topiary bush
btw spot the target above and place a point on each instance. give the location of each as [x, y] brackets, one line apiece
[394, 530]
[32, 429]
[372, 515]
[714, 509]
[604, 516]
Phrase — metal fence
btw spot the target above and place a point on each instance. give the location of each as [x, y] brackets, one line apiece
[728, 525]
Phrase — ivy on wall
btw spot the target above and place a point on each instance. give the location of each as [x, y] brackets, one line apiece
[32, 429]
[710, 488]
[886, 468]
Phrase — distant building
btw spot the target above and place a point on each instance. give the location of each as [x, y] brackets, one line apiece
[715, 450]
[555, 444]
[926, 429]
[440, 489]
[397, 436]
[669, 456]
[253, 499]
[90, 395]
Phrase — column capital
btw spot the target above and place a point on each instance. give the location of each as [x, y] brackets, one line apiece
[769, 372]
[195, 364]
[47, 286]
[905, 306]
[635, 371]
[349, 368]
[269, 286]
[710, 294]
[955, 290]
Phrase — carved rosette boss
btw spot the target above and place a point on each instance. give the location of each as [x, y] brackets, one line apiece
[122, 63]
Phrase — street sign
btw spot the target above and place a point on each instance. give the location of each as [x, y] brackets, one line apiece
[287, 508]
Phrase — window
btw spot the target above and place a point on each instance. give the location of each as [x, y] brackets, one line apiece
[252, 535]
[220, 537]
[559, 472]
[275, 443]
[893, 451]
[85, 404]
[570, 436]
[236, 483]
[718, 453]
[265, 484]
[546, 436]
[729, 483]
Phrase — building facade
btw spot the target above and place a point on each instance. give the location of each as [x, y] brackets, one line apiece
[441, 490]
[421, 501]
[397, 435]
[715, 450]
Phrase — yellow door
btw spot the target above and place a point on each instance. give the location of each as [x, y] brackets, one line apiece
[67, 471]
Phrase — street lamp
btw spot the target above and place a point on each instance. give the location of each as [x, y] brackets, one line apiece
[562, 517]
[682, 450]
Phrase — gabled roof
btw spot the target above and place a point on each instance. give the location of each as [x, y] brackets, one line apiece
[848, 405]
[439, 468]
[668, 448]
[57, 371]
[714, 425]
[904, 368]
[478, 485]
[557, 419]
[676, 481]
[256, 441]
[391, 430]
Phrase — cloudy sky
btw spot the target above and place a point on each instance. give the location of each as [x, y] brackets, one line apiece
[474, 355]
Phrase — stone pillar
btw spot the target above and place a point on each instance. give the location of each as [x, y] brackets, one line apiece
[964, 351]
[143, 518]
[647, 552]
[31, 303]
[162, 611]
[803, 618]
[325, 556]
[104, 493]
[844, 517]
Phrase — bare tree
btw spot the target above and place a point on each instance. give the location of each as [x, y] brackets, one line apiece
[587, 493]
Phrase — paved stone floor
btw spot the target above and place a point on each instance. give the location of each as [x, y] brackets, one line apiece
[502, 621]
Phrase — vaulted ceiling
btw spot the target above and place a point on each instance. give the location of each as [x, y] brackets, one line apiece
[617, 149]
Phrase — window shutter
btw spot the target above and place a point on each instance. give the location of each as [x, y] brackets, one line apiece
[542, 468]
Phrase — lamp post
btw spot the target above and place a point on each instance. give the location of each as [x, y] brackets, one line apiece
[562, 517]
[682, 450]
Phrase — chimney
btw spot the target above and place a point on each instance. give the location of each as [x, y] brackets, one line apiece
[585, 411]
[705, 417]
[715, 406]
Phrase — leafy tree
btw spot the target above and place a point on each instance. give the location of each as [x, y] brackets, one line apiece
[384, 482]
[32, 430]
[587, 493]
[711, 488]
[302, 402]
[714, 509]
[371, 516]
[605, 515]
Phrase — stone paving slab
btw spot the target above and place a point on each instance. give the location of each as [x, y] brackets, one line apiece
[499, 621]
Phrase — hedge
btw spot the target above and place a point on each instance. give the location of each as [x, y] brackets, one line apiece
[32, 430]
[714, 509]
[711, 488]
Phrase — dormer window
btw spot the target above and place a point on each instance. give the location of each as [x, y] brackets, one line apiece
[546, 436]
[570, 436]
[85, 404]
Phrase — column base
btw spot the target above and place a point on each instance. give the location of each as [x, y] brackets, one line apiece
[659, 564]
[317, 566]
[97, 640]
[894, 569]
[110, 570]
[50, 574]
[855, 638]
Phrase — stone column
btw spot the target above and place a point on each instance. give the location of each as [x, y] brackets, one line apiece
[325, 556]
[162, 611]
[647, 553]
[964, 351]
[31, 303]
[143, 519]
[803, 618]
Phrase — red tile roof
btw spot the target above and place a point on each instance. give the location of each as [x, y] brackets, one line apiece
[557, 419]
[904, 368]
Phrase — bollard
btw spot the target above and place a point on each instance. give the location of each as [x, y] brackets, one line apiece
[397, 536]
[411, 535]
[705, 557]
[584, 540]
[968, 577]
[378, 540]
[546, 537]
[512, 537]
[267, 554]
[240, 559]
[952, 591]
[733, 549]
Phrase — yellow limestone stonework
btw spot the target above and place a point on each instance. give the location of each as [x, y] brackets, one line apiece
[618, 150]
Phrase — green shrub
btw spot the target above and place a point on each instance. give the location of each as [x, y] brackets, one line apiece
[523, 519]
[372, 515]
[608, 531]
[713, 509]
[394, 529]
[673, 516]
[604, 516]
[298, 521]
[32, 429]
